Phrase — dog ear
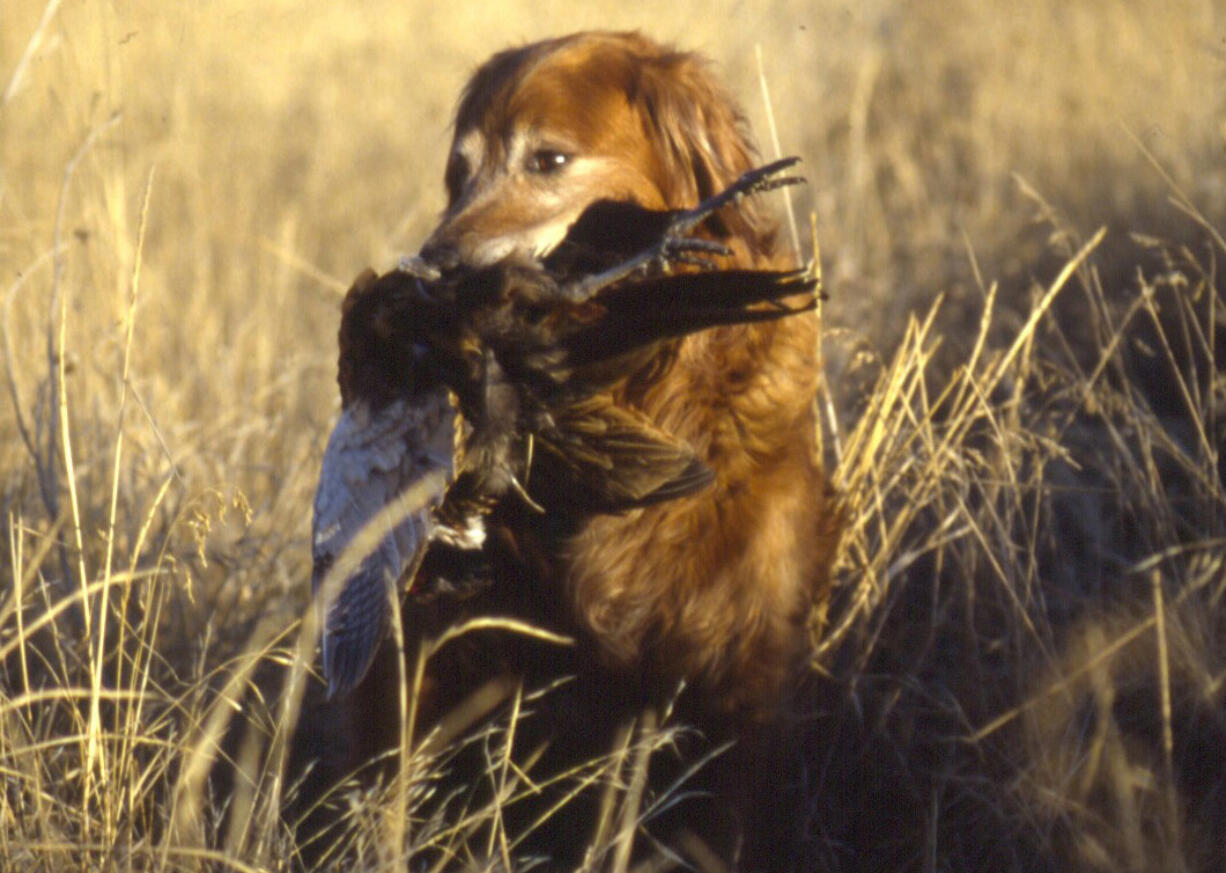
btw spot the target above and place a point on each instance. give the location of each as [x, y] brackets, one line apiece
[702, 140]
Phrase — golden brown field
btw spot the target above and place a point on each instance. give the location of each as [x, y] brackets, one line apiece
[1021, 210]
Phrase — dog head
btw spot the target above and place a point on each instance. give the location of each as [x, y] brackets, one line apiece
[545, 130]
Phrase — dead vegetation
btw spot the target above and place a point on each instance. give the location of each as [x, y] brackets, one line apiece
[1023, 664]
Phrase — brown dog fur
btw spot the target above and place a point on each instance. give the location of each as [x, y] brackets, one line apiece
[713, 589]
[720, 582]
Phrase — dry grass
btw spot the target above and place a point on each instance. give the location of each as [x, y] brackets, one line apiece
[1023, 665]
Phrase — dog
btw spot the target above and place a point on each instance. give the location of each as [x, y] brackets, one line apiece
[711, 591]
[714, 589]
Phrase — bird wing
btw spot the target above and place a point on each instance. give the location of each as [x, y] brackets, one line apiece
[603, 457]
[365, 500]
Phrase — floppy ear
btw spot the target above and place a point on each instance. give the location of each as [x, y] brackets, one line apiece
[702, 140]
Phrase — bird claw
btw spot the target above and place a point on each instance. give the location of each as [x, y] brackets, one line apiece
[755, 181]
[687, 260]
[678, 245]
[519, 489]
[691, 251]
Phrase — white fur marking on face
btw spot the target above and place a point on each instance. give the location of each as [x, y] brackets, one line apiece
[470, 147]
[491, 250]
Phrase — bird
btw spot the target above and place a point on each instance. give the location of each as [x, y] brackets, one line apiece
[495, 381]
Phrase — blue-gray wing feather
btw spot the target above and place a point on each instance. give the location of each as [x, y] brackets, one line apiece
[371, 457]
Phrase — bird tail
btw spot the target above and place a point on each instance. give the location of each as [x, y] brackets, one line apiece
[646, 311]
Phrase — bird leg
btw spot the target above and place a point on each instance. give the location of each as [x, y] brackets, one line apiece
[755, 181]
[676, 246]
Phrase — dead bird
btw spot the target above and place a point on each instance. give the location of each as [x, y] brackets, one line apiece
[503, 380]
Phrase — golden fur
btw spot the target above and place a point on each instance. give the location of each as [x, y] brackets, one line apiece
[713, 588]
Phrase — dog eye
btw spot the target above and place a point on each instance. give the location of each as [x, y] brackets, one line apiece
[547, 161]
[455, 175]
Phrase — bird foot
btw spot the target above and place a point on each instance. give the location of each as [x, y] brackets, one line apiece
[677, 245]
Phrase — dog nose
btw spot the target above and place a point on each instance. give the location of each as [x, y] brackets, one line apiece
[443, 255]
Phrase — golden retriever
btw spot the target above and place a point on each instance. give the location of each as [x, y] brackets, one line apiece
[713, 589]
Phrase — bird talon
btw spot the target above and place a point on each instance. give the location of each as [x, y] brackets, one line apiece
[755, 181]
[523, 494]
[689, 260]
